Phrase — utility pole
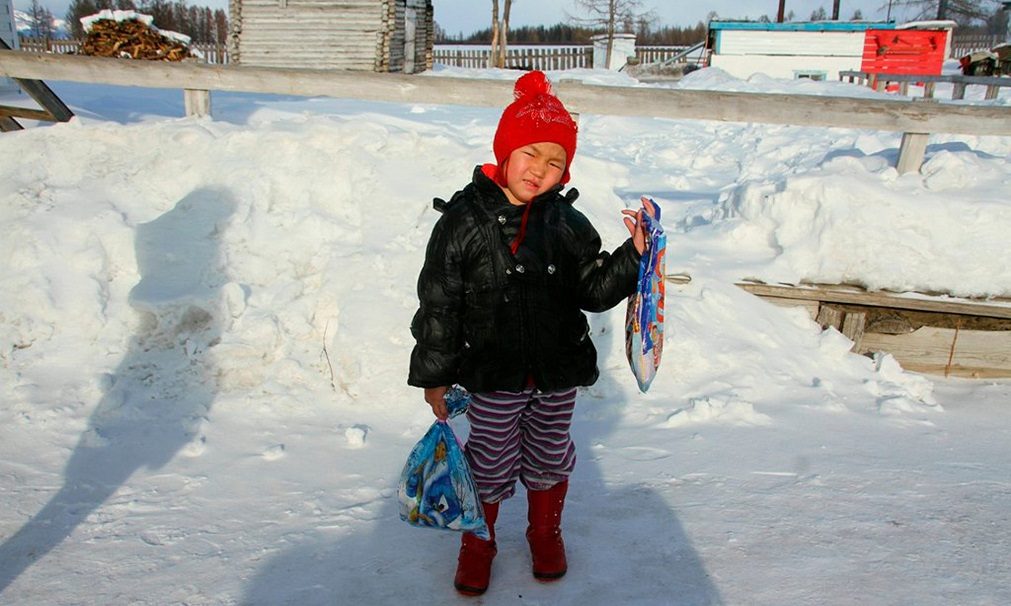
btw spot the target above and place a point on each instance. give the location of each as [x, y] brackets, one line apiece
[1007, 19]
[942, 10]
[782, 11]
[835, 9]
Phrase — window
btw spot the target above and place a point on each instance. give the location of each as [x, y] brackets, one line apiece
[809, 75]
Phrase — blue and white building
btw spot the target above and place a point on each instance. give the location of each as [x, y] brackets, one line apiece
[818, 50]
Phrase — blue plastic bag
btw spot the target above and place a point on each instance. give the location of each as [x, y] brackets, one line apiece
[644, 315]
[436, 487]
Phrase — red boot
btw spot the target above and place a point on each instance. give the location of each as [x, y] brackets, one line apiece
[473, 569]
[544, 533]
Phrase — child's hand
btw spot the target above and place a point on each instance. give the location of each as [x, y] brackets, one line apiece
[633, 221]
[436, 398]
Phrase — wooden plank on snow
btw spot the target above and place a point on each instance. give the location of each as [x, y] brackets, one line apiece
[8, 124]
[810, 306]
[24, 112]
[993, 308]
[853, 327]
[978, 354]
[829, 315]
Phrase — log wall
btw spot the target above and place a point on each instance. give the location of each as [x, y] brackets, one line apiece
[328, 34]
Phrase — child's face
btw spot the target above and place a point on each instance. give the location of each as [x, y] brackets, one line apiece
[532, 170]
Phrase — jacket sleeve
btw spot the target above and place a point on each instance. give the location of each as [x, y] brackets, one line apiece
[605, 279]
[436, 326]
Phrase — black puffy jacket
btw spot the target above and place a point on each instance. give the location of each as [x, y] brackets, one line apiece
[490, 320]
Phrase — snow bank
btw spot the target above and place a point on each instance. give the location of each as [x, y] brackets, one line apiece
[204, 344]
[855, 221]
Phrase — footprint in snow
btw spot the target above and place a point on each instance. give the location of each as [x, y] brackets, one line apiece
[274, 452]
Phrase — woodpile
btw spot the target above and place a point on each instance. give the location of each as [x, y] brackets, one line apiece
[131, 39]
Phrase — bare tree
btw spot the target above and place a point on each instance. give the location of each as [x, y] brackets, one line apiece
[504, 40]
[41, 28]
[962, 11]
[42, 21]
[608, 14]
[499, 34]
[493, 57]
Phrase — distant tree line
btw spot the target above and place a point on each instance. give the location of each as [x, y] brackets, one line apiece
[200, 23]
[972, 16]
[562, 33]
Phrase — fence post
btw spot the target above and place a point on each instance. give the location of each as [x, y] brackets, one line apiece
[911, 152]
[197, 102]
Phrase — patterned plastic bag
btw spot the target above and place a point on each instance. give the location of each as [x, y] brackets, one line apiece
[644, 315]
[436, 487]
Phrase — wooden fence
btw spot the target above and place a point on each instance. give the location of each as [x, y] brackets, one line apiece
[656, 54]
[544, 58]
[916, 119]
[881, 82]
[216, 54]
[962, 45]
[48, 45]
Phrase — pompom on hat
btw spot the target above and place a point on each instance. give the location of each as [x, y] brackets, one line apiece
[536, 116]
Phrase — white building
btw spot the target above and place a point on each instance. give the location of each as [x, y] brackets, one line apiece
[622, 48]
[817, 50]
[9, 34]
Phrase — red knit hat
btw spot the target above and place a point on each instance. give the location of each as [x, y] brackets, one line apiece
[536, 116]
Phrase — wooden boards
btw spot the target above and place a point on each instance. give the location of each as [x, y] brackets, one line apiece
[935, 335]
[54, 109]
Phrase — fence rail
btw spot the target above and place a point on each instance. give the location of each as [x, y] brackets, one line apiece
[880, 82]
[656, 54]
[213, 53]
[49, 45]
[916, 119]
[544, 58]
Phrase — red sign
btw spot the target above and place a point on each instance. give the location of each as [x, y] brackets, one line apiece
[904, 51]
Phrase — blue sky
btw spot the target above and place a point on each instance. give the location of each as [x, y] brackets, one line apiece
[470, 15]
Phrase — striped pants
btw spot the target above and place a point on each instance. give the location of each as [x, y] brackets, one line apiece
[519, 435]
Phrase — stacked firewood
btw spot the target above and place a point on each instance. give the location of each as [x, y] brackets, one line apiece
[131, 39]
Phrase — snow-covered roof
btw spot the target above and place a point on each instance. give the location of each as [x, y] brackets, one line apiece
[927, 25]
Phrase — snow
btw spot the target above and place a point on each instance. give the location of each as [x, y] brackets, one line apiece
[205, 340]
[115, 15]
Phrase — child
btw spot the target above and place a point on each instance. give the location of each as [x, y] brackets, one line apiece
[509, 269]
